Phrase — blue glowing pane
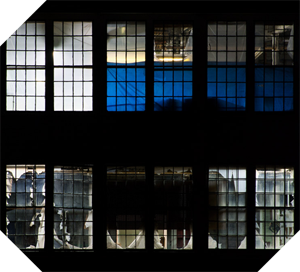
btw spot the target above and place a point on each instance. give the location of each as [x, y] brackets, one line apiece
[121, 89]
[278, 74]
[141, 106]
[130, 103]
[140, 74]
[241, 103]
[288, 104]
[168, 89]
[177, 89]
[221, 89]
[221, 75]
[111, 103]
[269, 89]
[141, 89]
[231, 74]
[241, 90]
[130, 74]
[111, 74]
[288, 89]
[158, 104]
[188, 88]
[268, 104]
[178, 75]
[259, 89]
[111, 89]
[158, 75]
[278, 89]
[158, 89]
[121, 72]
[269, 74]
[121, 103]
[221, 103]
[211, 90]
[259, 104]
[178, 104]
[131, 88]
[278, 104]
[168, 103]
[188, 75]
[231, 103]
[211, 74]
[241, 74]
[231, 90]
[259, 74]
[288, 74]
[168, 75]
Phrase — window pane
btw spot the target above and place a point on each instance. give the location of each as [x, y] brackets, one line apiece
[226, 230]
[126, 48]
[126, 187]
[73, 213]
[173, 207]
[173, 59]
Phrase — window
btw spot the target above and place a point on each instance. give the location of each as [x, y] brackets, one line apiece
[274, 213]
[274, 54]
[73, 62]
[126, 89]
[25, 68]
[126, 207]
[173, 207]
[226, 59]
[173, 63]
[25, 205]
[73, 213]
[227, 208]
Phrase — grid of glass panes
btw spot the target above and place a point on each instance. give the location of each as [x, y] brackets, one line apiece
[126, 207]
[173, 207]
[25, 205]
[126, 89]
[226, 46]
[25, 68]
[274, 46]
[173, 63]
[73, 60]
[274, 214]
[73, 213]
[227, 208]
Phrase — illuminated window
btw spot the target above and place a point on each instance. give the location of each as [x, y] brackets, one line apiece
[226, 58]
[73, 213]
[25, 68]
[274, 55]
[274, 213]
[73, 60]
[173, 60]
[126, 89]
[126, 207]
[227, 208]
[173, 208]
[25, 205]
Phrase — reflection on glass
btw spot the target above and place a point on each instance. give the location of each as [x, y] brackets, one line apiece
[73, 213]
[25, 205]
[226, 46]
[274, 225]
[73, 85]
[173, 208]
[173, 60]
[25, 66]
[126, 60]
[227, 212]
[126, 188]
